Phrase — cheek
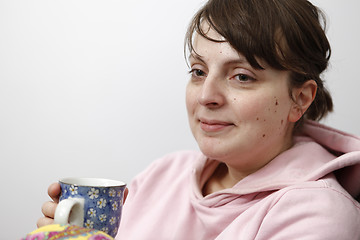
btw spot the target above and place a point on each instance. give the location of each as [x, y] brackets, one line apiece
[262, 109]
[281, 106]
[276, 116]
[189, 99]
[250, 107]
[191, 102]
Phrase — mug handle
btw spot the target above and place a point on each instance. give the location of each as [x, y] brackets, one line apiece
[70, 211]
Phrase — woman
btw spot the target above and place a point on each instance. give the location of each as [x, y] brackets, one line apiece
[266, 170]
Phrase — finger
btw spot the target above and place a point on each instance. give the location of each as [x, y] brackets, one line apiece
[125, 194]
[54, 191]
[44, 221]
[48, 209]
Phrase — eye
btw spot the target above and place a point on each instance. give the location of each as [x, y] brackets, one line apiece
[197, 73]
[243, 78]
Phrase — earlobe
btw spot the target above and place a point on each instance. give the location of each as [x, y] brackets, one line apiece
[302, 97]
[295, 113]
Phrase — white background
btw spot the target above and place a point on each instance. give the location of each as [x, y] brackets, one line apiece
[96, 88]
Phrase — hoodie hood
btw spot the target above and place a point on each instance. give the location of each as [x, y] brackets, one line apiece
[347, 149]
[318, 151]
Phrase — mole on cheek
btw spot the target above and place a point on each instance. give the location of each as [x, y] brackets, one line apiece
[263, 135]
[276, 101]
[282, 121]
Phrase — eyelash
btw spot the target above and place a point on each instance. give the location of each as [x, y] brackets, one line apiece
[241, 78]
[193, 72]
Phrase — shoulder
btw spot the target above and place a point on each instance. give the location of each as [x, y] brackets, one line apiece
[176, 160]
[326, 192]
[314, 210]
[168, 167]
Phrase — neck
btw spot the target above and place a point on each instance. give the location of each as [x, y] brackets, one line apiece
[222, 178]
[226, 176]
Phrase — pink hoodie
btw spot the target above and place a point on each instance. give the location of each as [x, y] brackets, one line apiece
[295, 196]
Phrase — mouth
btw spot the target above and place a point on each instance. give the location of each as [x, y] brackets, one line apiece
[214, 125]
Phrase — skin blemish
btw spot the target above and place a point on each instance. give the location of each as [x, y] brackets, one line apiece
[282, 122]
[234, 99]
[264, 135]
[257, 119]
[276, 101]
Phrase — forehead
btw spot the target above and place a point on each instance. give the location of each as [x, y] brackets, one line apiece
[217, 47]
[210, 32]
[220, 52]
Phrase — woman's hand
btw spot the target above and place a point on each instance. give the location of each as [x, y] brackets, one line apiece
[48, 208]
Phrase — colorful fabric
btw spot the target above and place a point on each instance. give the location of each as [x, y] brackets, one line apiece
[66, 232]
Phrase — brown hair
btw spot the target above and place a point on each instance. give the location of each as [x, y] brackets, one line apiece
[287, 34]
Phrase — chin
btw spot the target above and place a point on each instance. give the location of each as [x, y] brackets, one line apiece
[213, 153]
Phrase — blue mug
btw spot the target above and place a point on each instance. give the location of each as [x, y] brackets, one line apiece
[93, 203]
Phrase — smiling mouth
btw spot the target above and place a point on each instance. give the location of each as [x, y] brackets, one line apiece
[214, 126]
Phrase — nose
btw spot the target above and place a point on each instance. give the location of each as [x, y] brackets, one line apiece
[212, 93]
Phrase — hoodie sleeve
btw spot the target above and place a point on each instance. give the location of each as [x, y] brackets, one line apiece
[314, 214]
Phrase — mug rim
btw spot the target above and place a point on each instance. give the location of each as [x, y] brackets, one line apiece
[91, 182]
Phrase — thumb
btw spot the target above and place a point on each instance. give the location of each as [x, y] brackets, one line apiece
[125, 194]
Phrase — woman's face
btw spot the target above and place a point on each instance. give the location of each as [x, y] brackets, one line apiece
[237, 114]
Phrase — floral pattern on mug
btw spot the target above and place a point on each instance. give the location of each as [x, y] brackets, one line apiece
[112, 193]
[93, 193]
[91, 212]
[102, 209]
[114, 206]
[73, 189]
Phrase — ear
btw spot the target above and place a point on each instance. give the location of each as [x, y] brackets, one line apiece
[302, 97]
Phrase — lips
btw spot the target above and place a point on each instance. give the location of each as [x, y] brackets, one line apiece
[214, 125]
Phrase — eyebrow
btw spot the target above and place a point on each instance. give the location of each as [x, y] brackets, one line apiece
[239, 60]
[196, 56]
